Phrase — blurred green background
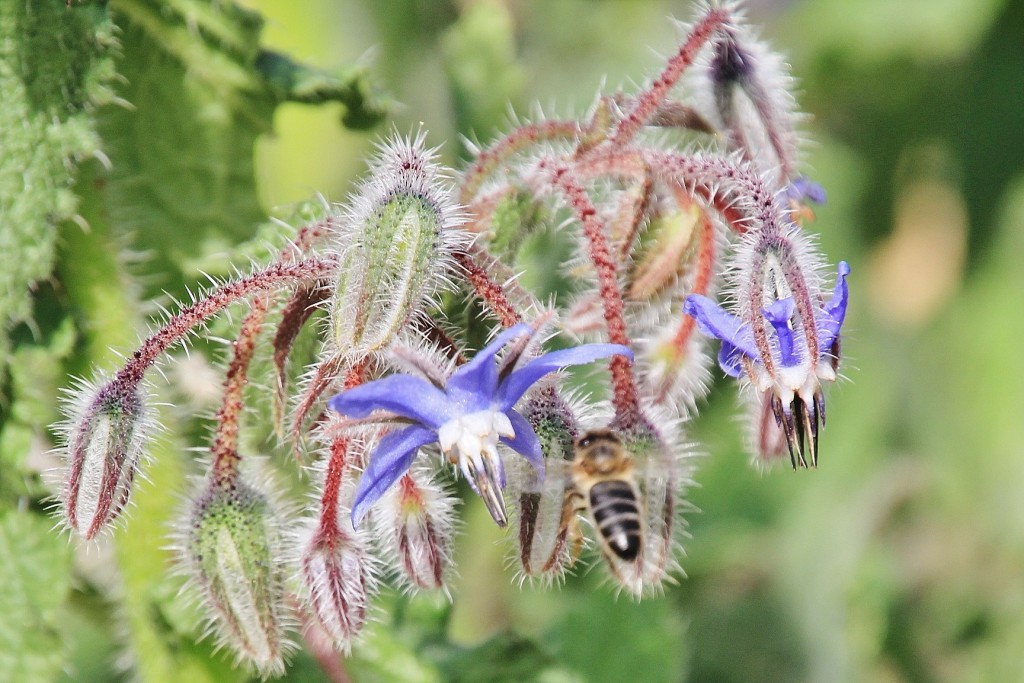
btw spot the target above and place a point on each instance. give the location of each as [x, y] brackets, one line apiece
[900, 559]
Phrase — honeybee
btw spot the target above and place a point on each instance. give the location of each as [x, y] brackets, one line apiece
[603, 482]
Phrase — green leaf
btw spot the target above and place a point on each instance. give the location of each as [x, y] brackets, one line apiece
[34, 564]
[53, 70]
[36, 373]
[290, 81]
[182, 181]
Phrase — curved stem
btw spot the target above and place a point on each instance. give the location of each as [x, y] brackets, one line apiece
[733, 189]
[625, 397]
[487, 289]
[226, 458]
[648, 102]
[337, 463]
[524, 136]
[216, 301]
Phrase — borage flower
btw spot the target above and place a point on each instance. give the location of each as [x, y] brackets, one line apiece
[782, 363]
[468, 417]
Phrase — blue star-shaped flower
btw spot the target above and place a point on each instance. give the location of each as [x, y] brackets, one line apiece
[794, 377]
[467, 416]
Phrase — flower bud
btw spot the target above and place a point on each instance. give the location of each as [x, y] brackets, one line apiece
[233, 549]
[665, 245]
[549, 536]
[106, 439]
[337, 578]
[751, 90]
[414, 526]
[394, 248]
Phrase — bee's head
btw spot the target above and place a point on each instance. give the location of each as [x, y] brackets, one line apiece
[601, 448]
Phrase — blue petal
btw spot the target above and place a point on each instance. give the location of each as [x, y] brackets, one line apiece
[405, 396]
[715, 321]
[517, 383]
[834, 312]
[526, 442]
[779, 314]
[474, 384]
[803, 188]
[729, 360]
[389, 461]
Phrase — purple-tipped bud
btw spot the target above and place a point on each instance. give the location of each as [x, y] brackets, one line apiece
[751, 89]
[233, 549]
[414, 524]
[394, 248]
[106, 439]
[337, 578]
[549, 536]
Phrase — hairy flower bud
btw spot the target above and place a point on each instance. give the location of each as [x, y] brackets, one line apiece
[394, 247]
[751, 90]
[337, 578]
[665, 245]
[232, 546]
[106, 437]
[414, 527]
[549, 538]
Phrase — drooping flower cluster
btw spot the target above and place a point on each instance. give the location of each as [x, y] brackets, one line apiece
[397, 402]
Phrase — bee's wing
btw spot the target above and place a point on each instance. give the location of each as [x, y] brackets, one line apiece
[659, 475]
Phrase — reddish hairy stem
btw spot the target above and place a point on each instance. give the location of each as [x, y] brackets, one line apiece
[307, 236]
[296, 313]
[225, 441]
[524, 136]
[706, 174]
[322, 649]
[337, 463]
[625, 398]
[220, 298]
[321, 380]
[648, 102]
[488, 290]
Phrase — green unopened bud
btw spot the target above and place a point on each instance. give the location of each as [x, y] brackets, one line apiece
[232, 547]
[395, 247]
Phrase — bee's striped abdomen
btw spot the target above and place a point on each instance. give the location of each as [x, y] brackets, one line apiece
[617, 516]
